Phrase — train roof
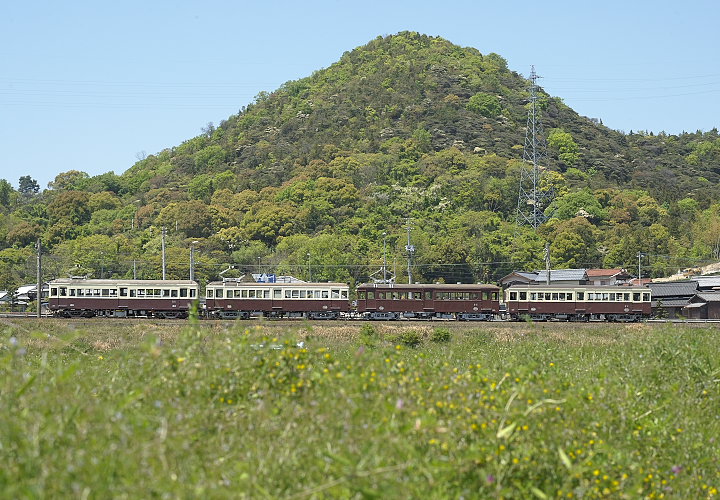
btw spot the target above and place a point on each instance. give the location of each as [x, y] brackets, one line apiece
[121, 282]
[428, 286]
[252, 284]
[564, 286]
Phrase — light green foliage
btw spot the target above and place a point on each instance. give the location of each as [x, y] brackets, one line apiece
[487, 105]
[563, 142]
[578, 203]
[527, 412]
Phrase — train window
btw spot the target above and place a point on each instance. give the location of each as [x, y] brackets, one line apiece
[141, 292]
[235, 293]
[626, 297]
[513, 295]
[428, 295]
[63, 291]
[295, 294]
[193, 293]
[266, 294]
[362, 295]
[533, 296]
[326, 294]
[166, 293]
[370, 295]
[277, 293]
[123, 292]
[581, 295]
[418, 295]
[335, 294]
[174, 293]
[96, 292]
[219, 293]
[251, 294]
[548, 295]
[183, 292]
[646, 297]
[568, 296]
[612, 297]
[381, 295]
[606, 296]
[403, 295]
[132, 292]
[287, 294]
[554, 296]
[105, 292]
[523, 295]
[591, 296]
[53, 292]
[303, 294]
[344, 294]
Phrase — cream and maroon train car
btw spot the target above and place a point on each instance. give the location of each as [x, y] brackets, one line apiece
[578, 302]
[230, 299]
[463, 302]
[80, 297]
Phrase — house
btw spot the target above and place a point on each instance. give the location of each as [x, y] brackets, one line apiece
[704, 305]
[608, 276]
[670, 299]
[563, 276]
[518, 278]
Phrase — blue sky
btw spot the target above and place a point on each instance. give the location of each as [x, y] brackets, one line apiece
[90, 85]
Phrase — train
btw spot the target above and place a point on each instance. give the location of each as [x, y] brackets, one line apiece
[237, 299]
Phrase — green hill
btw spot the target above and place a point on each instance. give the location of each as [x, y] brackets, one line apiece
[307, 179]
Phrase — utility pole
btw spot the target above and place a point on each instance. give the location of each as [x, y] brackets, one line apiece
[640, 255]
[39, 284]
[192, 260]
[309, 270]
[134, 269]
[384, 258]
[164, 269]
[532, 198]
[410, 251]
[547, 263]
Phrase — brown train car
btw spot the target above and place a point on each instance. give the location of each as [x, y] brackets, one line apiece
[81, 297]
[578, 302]
[230, 299]
[427, 301]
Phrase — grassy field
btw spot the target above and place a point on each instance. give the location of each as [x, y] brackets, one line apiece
[131, 409]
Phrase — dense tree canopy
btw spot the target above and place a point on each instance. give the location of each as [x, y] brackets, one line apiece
[322, 175]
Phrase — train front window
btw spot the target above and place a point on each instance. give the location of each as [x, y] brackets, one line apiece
[370, 295]
[219, 293]
[193, 293]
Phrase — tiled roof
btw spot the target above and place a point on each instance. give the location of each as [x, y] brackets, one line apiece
[670, 302]
[707, 282]
[674, 289]
[709, 296]
[597, 273]
[562, 275]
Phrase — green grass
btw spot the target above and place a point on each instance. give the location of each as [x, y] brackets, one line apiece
[119, 409]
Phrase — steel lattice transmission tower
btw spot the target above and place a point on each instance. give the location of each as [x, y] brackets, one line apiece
[533, 198]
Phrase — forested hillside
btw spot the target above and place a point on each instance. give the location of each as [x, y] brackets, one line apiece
[312, 179]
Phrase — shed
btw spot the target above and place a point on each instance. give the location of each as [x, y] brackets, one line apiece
[704, 306]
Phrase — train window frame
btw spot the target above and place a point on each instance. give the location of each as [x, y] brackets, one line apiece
[277, 293]
[165, 293]
[428, 295]
[183, 293]
[219, 293]
[646, 297]
[569, 296]
[326, 294]
[581, 296]
[522, 295]
[513, 295]
[555, 296]
[370, 295]
[193, 293]
[210, 293]
[533, 296]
